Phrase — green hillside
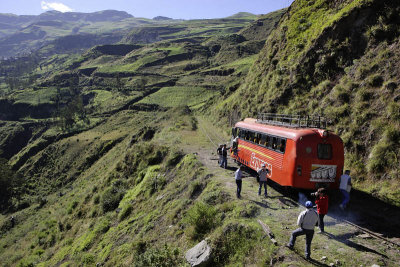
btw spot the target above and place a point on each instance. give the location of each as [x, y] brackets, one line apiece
[107, 138]
[314, 62]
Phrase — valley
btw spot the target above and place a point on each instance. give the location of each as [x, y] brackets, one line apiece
[108, 134]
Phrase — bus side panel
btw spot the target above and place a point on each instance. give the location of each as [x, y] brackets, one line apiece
[289, 163]
[253, 156]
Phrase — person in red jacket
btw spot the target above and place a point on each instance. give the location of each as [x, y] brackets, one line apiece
[322, 201]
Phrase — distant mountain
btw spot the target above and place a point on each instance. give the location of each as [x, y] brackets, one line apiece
[241, 15]
[23, 34]
[161, 18]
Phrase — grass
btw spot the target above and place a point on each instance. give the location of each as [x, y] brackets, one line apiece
[179, 96]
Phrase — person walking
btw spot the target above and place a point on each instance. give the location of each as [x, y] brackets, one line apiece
[322, 202]
[306, 221]
[345, 187]
[263, 176]
[219, 152]
[224, 157]
[238, 179]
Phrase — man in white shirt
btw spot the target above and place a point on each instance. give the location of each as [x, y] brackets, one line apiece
[307, 220]
[238, 179]
[345, 186]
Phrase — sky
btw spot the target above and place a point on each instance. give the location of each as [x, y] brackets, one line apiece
[177, 9]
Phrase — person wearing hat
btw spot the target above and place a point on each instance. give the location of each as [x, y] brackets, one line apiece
[306, 221]
[263, 175]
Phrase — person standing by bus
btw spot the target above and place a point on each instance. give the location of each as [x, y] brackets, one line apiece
[322, 201]
[235, 145]
[224, 161]
[345, 187]
[219, 152]
[263, 176]
[238, 179]
[306, 221]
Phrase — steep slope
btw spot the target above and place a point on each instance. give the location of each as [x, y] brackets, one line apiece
[338, 59]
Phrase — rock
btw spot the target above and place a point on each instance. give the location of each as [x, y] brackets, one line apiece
[323, 258]
[365, 236]
[337, 262]
[199, 255]
[331, 264]
[375, 265]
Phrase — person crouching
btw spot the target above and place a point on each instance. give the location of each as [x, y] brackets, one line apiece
[306, 221]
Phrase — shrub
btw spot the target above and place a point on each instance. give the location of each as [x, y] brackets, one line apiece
[202, 218]
[174, 157]
[111, 198]
[377, 162]
[234, 242]
[195, 189]
[162, 257]
[375, 80]
[126, 211]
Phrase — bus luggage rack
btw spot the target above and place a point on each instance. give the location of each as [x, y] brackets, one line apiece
[295, 121]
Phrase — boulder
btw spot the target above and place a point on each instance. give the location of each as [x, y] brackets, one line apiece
[199, 255]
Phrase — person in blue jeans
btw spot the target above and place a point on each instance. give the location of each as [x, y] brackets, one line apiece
[238, 179]
[224, 161]
[306, 221]
[345, 186]
[263, 176]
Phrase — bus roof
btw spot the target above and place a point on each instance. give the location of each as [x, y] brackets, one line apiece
[286, 132]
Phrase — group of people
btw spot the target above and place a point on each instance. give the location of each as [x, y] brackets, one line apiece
[310, 217]
[222, 152]
[262, 175]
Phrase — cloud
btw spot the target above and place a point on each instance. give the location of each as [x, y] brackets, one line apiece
[55, 6]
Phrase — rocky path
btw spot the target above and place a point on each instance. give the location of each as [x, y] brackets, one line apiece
[342, 245]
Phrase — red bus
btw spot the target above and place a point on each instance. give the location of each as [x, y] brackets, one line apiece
[297, 155]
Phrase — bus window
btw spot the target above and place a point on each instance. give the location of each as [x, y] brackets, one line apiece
[269, 141]
[240, 133]
[324, 151]
[274, 143]
[246, 135]
[234, 132]
[251, 136]
[257, 138]
[263, 140]
[282, 145]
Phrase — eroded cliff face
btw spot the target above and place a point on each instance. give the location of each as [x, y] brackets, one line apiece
[338, 59]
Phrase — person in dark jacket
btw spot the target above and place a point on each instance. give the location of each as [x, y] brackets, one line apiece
[322, 202]
[306, 221]
[263, 176]
[219, 152]
[224, 157]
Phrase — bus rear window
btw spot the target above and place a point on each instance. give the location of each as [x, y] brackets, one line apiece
[324, 151]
